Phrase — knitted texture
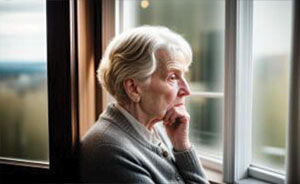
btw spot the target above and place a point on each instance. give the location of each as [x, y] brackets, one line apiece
[114, 152]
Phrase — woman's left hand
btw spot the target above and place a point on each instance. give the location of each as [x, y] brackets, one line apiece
[176, 122]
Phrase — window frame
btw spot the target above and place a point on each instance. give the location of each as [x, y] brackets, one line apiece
[62, 102]
[238, 95]
[238, 166]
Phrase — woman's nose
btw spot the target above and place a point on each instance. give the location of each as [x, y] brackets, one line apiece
[184, 89]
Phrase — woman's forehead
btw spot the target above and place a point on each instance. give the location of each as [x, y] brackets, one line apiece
[167, 61]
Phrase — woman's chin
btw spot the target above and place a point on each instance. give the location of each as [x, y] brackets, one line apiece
[160, 117]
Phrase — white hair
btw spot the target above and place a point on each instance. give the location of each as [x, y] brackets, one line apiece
[132, 54]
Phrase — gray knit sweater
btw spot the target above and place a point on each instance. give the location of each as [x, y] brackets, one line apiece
[113, 152]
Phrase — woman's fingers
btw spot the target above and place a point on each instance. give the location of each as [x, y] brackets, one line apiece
[167, 116]
[175, 113]
[174, 117]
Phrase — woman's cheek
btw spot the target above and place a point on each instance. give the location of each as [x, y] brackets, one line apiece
[171, 98]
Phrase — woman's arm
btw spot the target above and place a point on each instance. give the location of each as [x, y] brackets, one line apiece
[111, 164]
[189, 166]
[176, 122]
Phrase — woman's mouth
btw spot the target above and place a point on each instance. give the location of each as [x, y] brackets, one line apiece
[178, 104]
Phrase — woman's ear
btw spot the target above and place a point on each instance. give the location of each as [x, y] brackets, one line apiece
[132, 89]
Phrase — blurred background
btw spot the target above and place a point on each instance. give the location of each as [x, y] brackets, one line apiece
[272, 27]
[23, 73]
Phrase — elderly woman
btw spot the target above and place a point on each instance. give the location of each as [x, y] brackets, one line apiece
[144, 136]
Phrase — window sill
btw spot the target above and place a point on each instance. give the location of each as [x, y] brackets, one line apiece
[251, 181]
[212, 168]
[266, 175]
[24, 163]
[213, 176]
[216, 177]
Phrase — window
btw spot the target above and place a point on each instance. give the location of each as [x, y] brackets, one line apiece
[61, 118]
[23, 82]
[202, 23]
[253, 55]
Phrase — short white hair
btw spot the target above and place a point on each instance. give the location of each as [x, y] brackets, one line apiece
[132, 54]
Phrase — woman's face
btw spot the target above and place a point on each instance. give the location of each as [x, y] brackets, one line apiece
[167, 87]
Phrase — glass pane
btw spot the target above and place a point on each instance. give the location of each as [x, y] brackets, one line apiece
[206, 124]
[202, 23]
[23, 80]
[271, 53]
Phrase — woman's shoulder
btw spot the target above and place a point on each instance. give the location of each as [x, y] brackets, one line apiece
[104, 150]
[104, 133]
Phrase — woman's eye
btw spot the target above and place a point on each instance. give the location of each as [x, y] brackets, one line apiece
[173, 77]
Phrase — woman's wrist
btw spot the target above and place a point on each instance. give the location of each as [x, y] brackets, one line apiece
[182, 146]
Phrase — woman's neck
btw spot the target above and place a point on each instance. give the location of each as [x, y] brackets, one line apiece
[136, 111]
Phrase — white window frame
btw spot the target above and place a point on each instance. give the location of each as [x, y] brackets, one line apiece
[237, 105]
[237, 161]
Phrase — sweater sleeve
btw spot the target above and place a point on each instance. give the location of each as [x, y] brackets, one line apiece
[115, 166]
[189, 166]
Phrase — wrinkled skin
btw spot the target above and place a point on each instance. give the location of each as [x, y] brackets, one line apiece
[162, 98]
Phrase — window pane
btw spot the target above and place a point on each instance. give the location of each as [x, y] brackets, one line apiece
[206, 124]
[271, 53]
[202, 23]
[23, 80]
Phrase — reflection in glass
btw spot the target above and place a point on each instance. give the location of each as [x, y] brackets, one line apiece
[271, 52]
[23, 80]
[202, 23]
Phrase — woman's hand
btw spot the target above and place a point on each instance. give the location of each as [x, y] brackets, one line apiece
[176, 122]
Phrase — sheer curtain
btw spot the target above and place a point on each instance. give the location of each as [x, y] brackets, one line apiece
[293, 166]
